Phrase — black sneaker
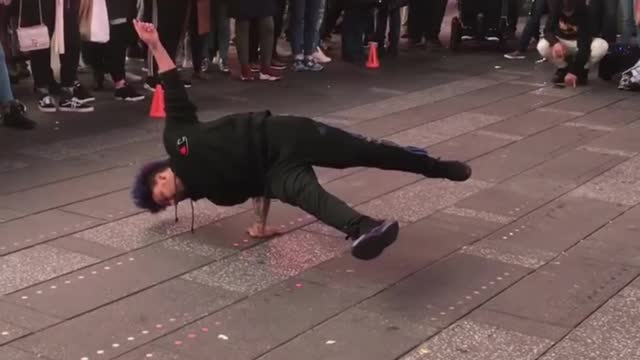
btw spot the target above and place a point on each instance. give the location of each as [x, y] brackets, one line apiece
[46, 103]
[187, 83]
[515, 55]
[150, 84]
[450, 170]
[558, 77]
[373, 242]
[82, 94]
[16, 117]
[128, 93]
[73, 104]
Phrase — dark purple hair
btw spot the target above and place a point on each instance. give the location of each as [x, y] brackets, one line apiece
[142, 192]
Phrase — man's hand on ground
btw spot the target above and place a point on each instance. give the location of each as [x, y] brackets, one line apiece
[571, 80]
[261, 231]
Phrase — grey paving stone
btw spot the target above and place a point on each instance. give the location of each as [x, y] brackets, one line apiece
[41, 172]
[564, 292]
[610, 333]
[553, 91]
[257, 268]
[368, 184]
[37, 264]
[110, 207]
[518, 324]
[6, 215]
[516, 105]
[623, 139]
[618, 185]
[440, 294]
[575, 166]
[609, 117]
[24, 317]
[355, 334]
[540, 236]
[628, 104]
[468, 146]
[9, 332]
[7, 165]
[530, 123]
[615, 242]
[418, 245]
[88, 144]
[471, 340]
[588, 102]
[522, 155]
[31, 230]
[12, 353]
[420, 199]
[259, 323]
[144, 229]
[126, 154]
[427, 96]
[124, 325]
[444, 129]
[69, 191]
[153, 352]
[419, 115]
[108, 281]
[86, 247]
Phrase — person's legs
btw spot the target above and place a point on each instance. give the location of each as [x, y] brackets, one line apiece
[278, 26]
[242, 42]
[513, 15]
[469, 11]
[596, 11]
[435, 16]
[299, 139]
[492, 14]
[223, 34]
[297, 27]
[311, 35]
[381, 28]
[254, 42]
[610, 21]
[13, 112]
[266, 43]
[171, 18]
[197, 41]
[628, 20]
[353, 28]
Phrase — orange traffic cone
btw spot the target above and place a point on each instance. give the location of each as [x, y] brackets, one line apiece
[157, 104]
[373, 62]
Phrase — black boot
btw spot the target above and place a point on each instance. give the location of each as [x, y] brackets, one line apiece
[451, 170]
[558, 77]
[15, 117]
[373, 236]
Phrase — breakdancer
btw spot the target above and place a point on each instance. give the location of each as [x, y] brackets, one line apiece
[261, 156]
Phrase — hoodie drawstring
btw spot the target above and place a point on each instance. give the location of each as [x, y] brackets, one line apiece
[175, 201]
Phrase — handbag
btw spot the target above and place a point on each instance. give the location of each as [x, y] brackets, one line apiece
[32, 37]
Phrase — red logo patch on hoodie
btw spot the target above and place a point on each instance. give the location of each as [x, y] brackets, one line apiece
[183, 146]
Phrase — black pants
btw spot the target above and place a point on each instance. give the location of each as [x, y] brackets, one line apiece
[110, 57]
[425, 19]
[295, 144]
[604, 16]
[514, 7]
[278, 24]
[171, 20]
[392, 16]
[41, 59]
[532, 28]
[197, 40]
[354, 28]
[492, 10]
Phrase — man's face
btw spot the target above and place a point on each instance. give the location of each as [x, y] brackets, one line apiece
[164, 188]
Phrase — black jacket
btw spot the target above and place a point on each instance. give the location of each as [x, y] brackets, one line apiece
[223, 160]
[119, 9]
[574, 27]
[251, 9]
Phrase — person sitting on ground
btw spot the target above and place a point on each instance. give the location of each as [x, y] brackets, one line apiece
[568, 42]
[261, 156]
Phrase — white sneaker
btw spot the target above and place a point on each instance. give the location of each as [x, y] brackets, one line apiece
[320, 57]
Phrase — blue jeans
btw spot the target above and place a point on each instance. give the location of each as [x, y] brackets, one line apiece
[6, 95]
[304, 23]
[218, 38]
[321, 16]
[629, 22]
[532, 28]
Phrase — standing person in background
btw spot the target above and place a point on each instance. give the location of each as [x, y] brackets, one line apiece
[304, 20]
[261, 11]
[171, 20]
[13, 112]
[513, 15]
[630, 20]
[604, 19]
[277, 61]
[110, 57]
[530, 31]
[73, 96]
[199, 28]
[217, 43]
[425, 21]
[388, 11]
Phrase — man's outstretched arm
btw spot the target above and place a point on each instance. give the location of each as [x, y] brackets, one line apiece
[177, 104]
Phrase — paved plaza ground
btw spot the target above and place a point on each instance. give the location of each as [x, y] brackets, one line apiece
[536, 257]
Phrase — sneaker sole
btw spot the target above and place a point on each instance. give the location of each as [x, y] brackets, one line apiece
[48, 110]
[372, 244]
[89, 109]
[87, 100]
[132, 99]
[514, 57]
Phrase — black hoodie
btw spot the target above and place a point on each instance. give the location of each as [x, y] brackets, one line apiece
[221, 160]
[570, 27]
